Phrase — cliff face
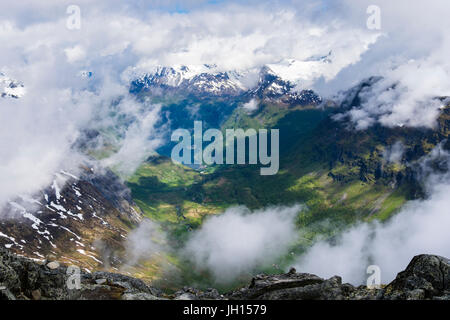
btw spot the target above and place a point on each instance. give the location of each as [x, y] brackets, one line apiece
[426, 277]
[75, 219]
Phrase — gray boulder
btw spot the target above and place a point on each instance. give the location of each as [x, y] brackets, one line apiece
[425, 277]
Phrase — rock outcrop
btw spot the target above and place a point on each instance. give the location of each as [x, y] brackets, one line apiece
[426, 277]
[24, 279]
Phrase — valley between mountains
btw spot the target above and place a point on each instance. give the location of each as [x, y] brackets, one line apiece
[339, 175]
[98, 219]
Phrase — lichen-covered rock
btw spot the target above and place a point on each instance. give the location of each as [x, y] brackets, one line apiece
[21, 278]
[300, 286]
[291, 285]
[426, 277]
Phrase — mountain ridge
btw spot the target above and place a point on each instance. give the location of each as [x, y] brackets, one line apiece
[83, 220]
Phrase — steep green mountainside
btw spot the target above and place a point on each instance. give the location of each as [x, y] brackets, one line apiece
[319, 159]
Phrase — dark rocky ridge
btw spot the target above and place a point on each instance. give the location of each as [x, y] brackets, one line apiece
[24, 279]
[426, 277]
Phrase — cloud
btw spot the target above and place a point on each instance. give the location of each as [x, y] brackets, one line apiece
[36, 134]
[145, 242]
[394, 153]
[242, 38]
[39, 129]
[398, 99]
[238, 241]
[410, 54]
[139, 140]
[250, 106]
[75, 54]
[421, 227]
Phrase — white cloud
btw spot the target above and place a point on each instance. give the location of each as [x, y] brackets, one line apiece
[250, 106]
[399, 99]
[145, 242]
[39, 129]
[394, 153]
[35, 138]
[411, 57]
[236, 242]
[139, 142]
[75, 53]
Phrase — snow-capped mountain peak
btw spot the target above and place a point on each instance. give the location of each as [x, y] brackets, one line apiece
[10, 87]
[200, 79]
[298, 71]
[273, 81]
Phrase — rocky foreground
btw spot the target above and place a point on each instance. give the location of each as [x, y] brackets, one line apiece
[426, 277]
